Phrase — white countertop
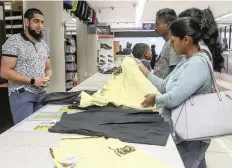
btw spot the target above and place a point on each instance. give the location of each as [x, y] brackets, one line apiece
[23, 147]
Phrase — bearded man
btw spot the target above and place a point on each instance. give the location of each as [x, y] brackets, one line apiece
[26, 66]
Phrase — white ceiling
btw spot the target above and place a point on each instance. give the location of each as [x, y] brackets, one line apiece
[121, 14]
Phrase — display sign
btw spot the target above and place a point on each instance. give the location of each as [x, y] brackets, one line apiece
[148, 26]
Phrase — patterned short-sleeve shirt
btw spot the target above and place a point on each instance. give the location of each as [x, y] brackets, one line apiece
[31, 59]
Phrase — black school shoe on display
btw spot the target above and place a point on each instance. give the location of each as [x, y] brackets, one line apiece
[110, 60]
[102, 61]
[110, 56]
[102, 56]
[105, 46]
[101, 64]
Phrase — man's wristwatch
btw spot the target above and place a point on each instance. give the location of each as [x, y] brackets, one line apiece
[32, 82]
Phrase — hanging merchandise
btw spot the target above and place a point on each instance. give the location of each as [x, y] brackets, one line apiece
[98, 152]
[126, 87]
[83, 10]
[90, 17]
[66, 6]
[74, 6]
[86, 12]
[78, 11]
[95, 18]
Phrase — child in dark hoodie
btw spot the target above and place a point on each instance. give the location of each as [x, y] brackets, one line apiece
[142, 52]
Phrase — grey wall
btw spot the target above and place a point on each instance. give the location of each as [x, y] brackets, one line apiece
[86, 52]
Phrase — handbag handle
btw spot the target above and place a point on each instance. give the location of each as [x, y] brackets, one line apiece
[213, 77]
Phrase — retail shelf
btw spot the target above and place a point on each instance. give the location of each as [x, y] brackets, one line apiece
[71, 33]
[17, 26]
[14, 18]
[8, 35]
[13, 21]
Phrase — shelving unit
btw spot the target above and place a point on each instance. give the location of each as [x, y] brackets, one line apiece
[13, 22]
[70, 59]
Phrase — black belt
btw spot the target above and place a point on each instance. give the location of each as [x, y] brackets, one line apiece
[19, 90]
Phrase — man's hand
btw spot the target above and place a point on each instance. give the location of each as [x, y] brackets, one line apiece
[47, 78]
[47, 81]
[41, 82]
[149, 101]
[142, 68]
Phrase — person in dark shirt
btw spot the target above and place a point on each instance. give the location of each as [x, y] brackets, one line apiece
[224, 44]
[154, 56]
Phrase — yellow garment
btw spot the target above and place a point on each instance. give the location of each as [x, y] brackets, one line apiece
[127, 89]
[74, 6]
[98, 152]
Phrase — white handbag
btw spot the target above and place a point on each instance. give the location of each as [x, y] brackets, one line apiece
[204, 116]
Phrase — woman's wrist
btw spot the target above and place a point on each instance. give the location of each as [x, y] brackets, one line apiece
[146, 72]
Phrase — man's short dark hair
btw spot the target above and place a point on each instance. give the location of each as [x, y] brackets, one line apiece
[167, 14]
[30, 12]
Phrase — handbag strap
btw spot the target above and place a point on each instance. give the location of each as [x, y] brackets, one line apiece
[212, 76]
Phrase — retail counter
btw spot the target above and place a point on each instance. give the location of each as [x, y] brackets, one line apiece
[27, 146]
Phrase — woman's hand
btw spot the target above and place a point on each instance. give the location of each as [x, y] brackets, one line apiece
[149, 101]
[142, 68]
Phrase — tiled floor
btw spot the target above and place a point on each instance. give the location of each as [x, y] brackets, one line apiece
[219, 153]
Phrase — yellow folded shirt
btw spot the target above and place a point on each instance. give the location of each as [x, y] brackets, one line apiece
[98, 152]
[127, 88]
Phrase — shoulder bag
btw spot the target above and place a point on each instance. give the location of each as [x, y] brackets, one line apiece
[204, 116]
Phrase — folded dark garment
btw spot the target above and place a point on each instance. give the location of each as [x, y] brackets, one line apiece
[64, 97]
[110, 71]
[129, 125]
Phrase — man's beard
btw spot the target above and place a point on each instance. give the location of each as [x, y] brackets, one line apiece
[34, 34]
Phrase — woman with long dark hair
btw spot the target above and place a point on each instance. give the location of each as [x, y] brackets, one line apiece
[190, 77]
[210, 42]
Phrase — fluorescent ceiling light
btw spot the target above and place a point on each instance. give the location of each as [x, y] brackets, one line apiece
[139, 11]
[73, 19]
[223, 16]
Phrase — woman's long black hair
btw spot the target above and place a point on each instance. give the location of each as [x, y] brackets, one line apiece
[209, 33]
